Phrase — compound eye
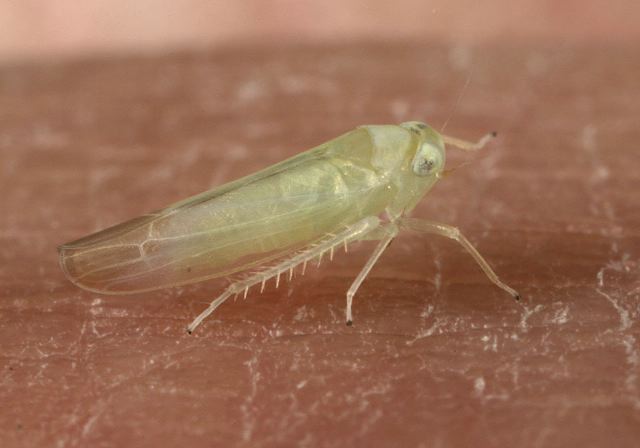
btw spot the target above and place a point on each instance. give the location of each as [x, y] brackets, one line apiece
[427, 161]
[426, 166]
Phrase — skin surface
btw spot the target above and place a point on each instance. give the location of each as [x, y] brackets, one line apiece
[437, 355]
[264, 216]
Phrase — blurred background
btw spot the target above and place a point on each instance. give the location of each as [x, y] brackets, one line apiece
[41, 28]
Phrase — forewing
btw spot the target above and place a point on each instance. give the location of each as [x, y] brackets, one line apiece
[228, 229]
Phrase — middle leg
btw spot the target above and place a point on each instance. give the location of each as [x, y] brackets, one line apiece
[389, 233]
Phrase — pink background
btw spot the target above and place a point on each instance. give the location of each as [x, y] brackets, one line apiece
[30, 28]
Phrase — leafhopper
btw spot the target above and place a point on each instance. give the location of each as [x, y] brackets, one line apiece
[361, 185]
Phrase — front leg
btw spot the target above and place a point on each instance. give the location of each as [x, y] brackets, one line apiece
[448, 231]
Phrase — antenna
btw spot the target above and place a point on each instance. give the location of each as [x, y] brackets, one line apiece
[469, 146]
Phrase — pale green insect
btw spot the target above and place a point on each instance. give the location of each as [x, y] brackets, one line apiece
[359, 186]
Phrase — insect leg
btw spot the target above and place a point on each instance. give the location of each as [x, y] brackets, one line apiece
[351, 233]
[376, 234]
[448, 231]
[391, 231]
[212, 307]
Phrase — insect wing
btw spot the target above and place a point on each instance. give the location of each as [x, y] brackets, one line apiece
[231, 228]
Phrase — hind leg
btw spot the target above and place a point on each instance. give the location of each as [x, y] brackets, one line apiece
[329, 243]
